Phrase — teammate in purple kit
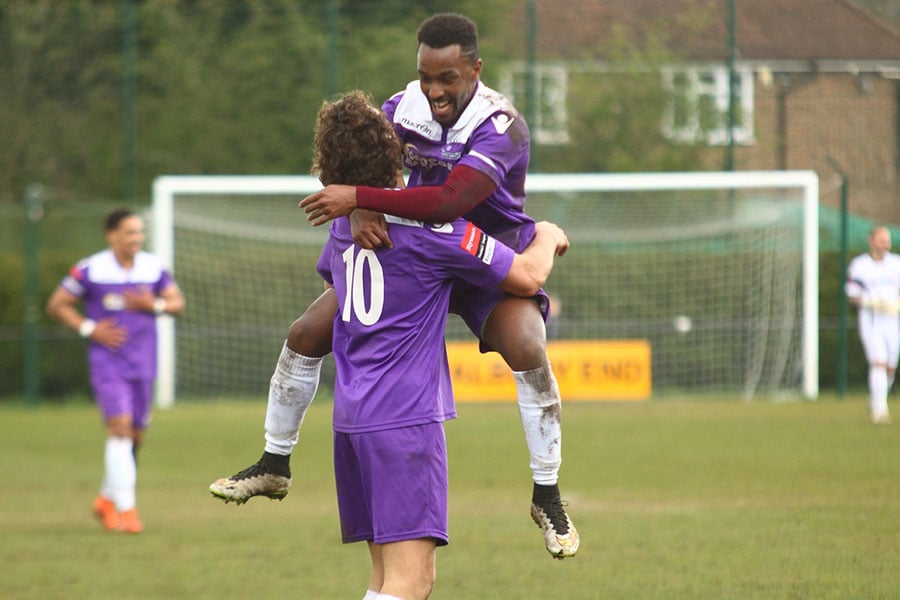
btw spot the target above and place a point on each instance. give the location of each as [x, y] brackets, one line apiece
[393, 389]
[123, 290]
[467, 150]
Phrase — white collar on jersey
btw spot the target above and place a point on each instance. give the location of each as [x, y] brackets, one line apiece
[414, 113]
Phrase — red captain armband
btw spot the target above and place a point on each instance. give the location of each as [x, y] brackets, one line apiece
[464, 189]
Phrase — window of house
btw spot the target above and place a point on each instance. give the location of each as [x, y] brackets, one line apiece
[698, 105]
[549, 123]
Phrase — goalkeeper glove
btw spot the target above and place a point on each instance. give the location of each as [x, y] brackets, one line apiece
[884, 306]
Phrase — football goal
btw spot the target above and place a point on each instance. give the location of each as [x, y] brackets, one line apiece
[718, 271]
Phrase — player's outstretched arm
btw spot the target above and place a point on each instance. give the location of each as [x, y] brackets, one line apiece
[464, 189]
[531, 268]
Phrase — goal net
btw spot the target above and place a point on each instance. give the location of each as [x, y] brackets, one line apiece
[717, 271]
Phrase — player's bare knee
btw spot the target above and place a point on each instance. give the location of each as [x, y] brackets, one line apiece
[120, 427]
[310, 336]
[524, 352]
[416, 585]
[515, 329]
[523, 348]
[425, 583]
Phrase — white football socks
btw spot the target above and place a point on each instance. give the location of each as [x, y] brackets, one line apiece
[878, 391]
[291, 390]
[120, 475]
[540, 409]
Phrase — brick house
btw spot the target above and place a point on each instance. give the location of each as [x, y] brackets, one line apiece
[817, 83]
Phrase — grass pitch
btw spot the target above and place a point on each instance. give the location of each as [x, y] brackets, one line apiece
[674, 499]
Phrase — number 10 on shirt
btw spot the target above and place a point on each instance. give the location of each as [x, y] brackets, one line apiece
[355, 266]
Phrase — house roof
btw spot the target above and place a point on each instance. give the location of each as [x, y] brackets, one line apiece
[807, 30]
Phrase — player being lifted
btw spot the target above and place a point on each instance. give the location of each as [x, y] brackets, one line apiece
[873, 285]
[467, 150]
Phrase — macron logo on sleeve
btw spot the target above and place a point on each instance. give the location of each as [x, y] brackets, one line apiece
[501, 122]
[479, 245]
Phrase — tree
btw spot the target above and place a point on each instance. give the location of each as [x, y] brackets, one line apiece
[60, 92]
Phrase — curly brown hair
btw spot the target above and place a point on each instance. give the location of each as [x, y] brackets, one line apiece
[354, 143]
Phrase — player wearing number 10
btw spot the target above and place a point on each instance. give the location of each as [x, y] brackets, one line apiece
[392, 389]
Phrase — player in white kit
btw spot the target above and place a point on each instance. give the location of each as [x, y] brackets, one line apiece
[873, 286]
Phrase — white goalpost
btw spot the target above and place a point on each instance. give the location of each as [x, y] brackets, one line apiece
[165, 189]
[717, 270]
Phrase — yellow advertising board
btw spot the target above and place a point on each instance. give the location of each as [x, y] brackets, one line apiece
[585, 370]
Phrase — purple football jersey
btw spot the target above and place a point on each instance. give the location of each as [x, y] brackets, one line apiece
[100, 282]
[392, 309]
[489, 136]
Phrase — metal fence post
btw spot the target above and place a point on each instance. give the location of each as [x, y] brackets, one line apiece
[34, 212]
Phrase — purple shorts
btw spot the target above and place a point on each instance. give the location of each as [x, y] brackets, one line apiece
[392, 484]
[475, 304]
[116, 397]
